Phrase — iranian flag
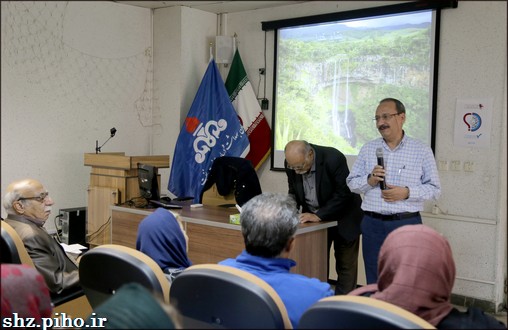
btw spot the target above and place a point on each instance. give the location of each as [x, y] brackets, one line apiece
[251, 116]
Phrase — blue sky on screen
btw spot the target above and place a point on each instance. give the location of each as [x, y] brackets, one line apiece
[403, 20]
[392, 20]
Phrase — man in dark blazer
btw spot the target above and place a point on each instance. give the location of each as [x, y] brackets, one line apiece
[317, 180]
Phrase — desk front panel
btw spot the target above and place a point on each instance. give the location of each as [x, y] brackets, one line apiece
[124, 227]
[310, 254]
[209, 244]
[212, 238]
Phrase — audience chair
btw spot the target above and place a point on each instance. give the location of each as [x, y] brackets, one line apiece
[218, 296]
[72, 301]
[13, 250]
[104, 269]
[357, 312]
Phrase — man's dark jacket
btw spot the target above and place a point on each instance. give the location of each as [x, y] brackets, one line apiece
[336, 201]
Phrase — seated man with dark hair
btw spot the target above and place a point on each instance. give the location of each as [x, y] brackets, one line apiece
[28, 206]
[269, 222]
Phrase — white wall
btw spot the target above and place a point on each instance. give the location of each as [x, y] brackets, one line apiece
[70, 72]
[472, 64]
[181, 55]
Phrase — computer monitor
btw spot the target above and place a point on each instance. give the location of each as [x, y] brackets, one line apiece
[148, 184]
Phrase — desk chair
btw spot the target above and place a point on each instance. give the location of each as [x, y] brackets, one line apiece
[72, 301]
[357, 312]
[233, 177]
[218, 296]
[104, 269]
[212, 197]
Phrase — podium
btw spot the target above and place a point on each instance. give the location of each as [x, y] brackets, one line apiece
[113, 180]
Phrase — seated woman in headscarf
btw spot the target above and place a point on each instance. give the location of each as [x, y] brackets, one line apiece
[24, 292]
[416, 272]
[162, 238]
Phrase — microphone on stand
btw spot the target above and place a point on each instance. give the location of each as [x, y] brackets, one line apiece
[381, 162]
[97, 148]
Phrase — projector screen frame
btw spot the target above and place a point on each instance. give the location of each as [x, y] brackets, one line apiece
[277, 154]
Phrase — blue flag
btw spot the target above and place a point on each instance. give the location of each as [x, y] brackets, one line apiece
[212, 129]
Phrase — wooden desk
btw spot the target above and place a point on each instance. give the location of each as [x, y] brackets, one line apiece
[212, 238]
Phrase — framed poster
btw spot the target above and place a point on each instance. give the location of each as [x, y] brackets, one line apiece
[473, 122]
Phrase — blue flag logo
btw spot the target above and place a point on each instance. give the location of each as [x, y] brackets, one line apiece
[212, 129]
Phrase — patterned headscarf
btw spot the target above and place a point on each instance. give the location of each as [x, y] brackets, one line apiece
[416, 272]
[161, 238]
[24, 292]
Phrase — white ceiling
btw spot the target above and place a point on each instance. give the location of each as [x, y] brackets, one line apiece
[217, 7]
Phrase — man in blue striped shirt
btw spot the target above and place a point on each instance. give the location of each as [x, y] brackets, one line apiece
[409, 175]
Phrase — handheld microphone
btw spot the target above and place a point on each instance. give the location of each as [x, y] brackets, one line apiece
[381, 162]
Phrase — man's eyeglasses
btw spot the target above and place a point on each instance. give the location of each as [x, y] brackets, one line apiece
[41, 198]
[385, 117]
[298, 167]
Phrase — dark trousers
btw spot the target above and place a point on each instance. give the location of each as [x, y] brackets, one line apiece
[374, 232]
[346, 261]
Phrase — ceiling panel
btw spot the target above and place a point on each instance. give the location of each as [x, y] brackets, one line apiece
[217, 7]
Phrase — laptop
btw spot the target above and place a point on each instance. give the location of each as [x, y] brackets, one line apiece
[165, 204]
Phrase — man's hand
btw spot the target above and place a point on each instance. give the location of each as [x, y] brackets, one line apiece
[394, 193]
[377, 175]
[309, 217]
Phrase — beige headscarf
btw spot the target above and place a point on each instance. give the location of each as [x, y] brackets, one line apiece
[416, 272]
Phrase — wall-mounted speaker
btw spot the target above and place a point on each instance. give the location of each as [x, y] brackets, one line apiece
[224, 49]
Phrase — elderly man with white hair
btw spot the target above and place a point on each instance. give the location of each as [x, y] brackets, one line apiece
[28, 206]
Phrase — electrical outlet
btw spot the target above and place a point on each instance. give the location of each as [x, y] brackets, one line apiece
[469, 166]
[261, 71]
[442, 165]
[455, 165]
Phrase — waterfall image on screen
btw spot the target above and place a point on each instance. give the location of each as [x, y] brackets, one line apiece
[331, 76]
